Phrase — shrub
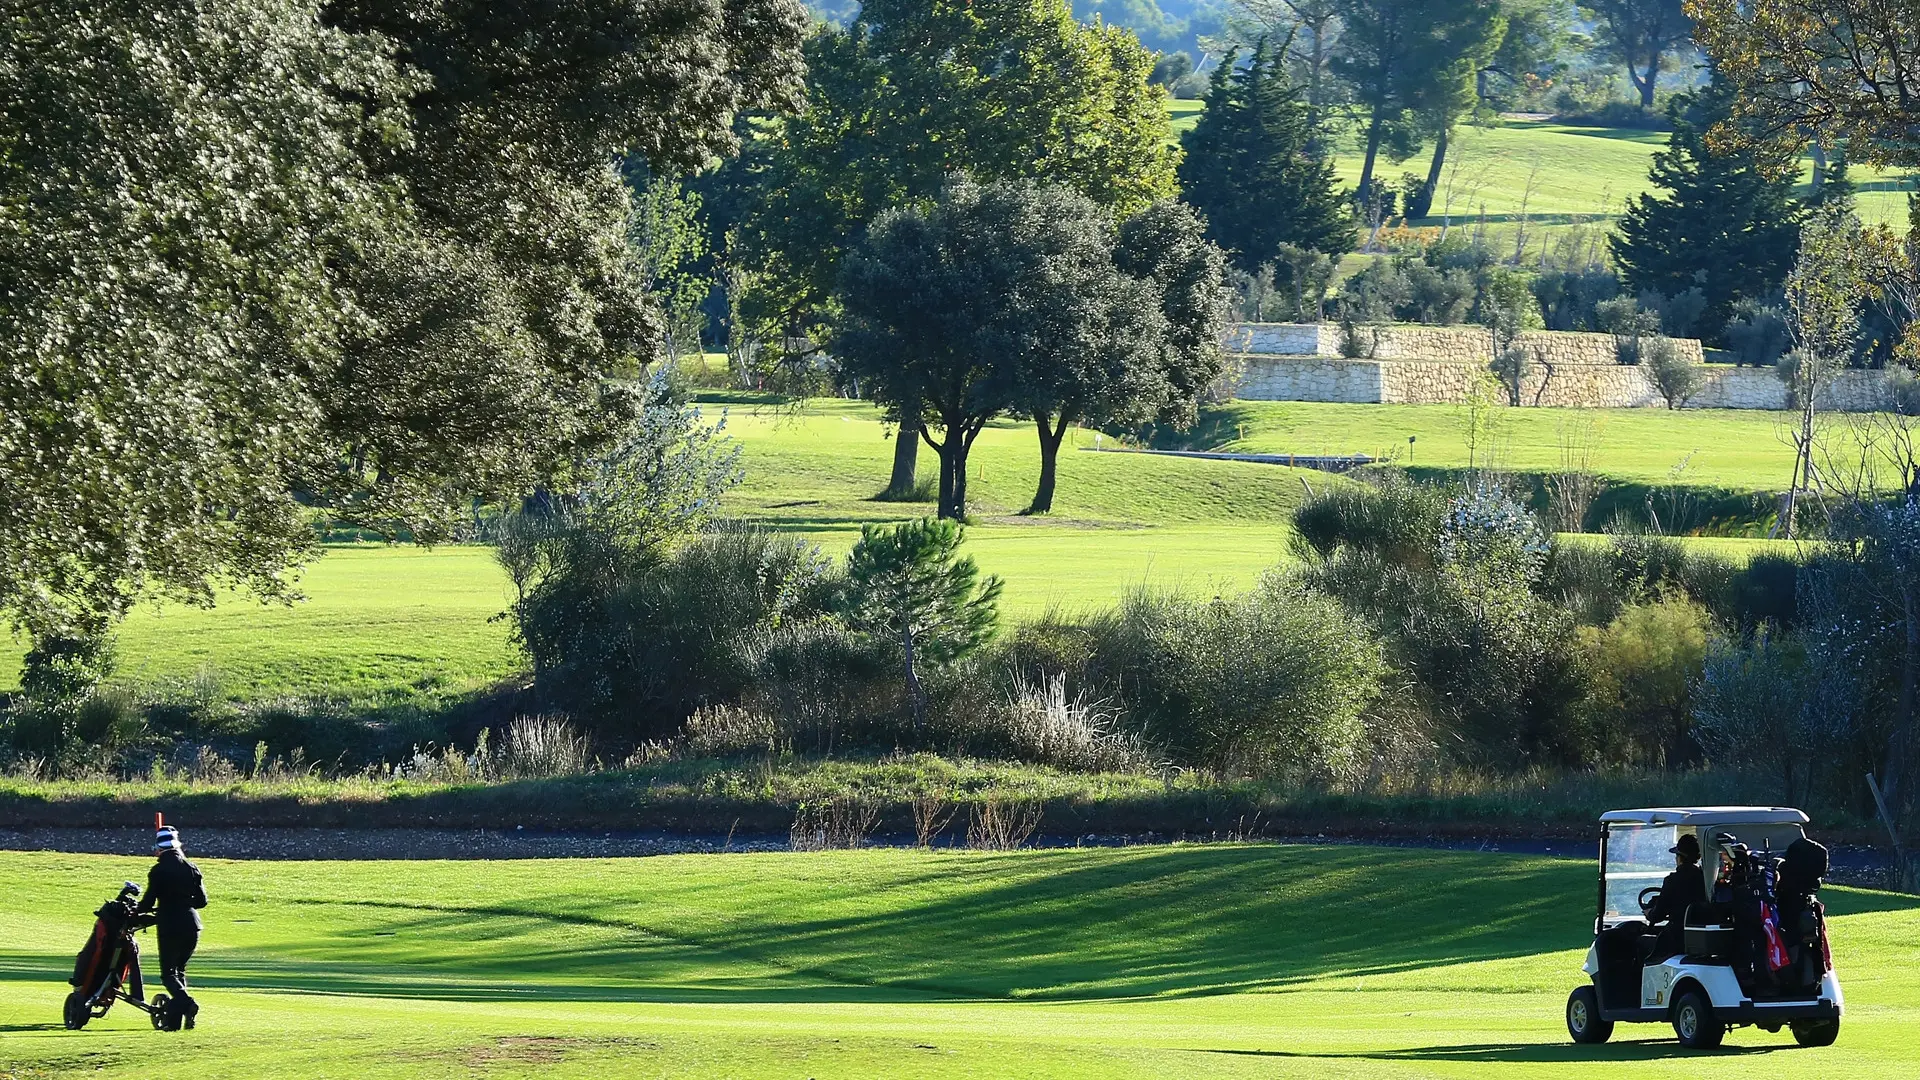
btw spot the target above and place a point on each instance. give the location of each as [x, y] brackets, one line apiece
[1674, 377]
[1275, 679]
[1757, 333]
[1644, 663]
[632, 644]
[829, 686]
[1568, 298]
[1042, 723]
[1394, 519]
[541, 747]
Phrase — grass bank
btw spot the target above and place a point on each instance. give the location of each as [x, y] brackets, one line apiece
[763, 795]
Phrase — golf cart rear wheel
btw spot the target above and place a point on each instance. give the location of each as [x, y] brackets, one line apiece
[1583, 1017]
[1816, 1032]
[158, 1012]
[76, 1014]
[1694, 1022]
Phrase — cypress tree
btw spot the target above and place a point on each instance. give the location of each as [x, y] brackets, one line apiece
[1726, 223]
[1254, 167]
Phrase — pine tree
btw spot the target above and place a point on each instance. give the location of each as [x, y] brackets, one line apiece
[1727, 223]
[1253, 168]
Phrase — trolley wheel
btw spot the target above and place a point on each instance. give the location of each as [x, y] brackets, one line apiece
[157, 1011]
[76, 1014]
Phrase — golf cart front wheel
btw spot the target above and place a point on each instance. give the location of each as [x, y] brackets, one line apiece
[1694, 1022]
[1816, 1032]
[1583, 1017]
[158, 1012]
[76, 1014]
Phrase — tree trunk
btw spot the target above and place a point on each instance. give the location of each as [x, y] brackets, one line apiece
[1646, 85]
[1365, 191]
[906, 460]
[916, 694]
[1819, 166]
[1894, 771]
[1050, 440]
[953, 471]
[1433, 170]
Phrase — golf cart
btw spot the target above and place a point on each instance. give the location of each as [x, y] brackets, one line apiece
[1756, 953]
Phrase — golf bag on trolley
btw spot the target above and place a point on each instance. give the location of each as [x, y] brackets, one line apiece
[107, 968]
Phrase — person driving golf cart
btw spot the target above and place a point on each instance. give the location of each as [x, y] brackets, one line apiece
[1749, 949]
[1679, 892]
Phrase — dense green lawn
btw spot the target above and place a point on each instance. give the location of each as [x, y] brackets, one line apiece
[1744, 450]
[1142, 962]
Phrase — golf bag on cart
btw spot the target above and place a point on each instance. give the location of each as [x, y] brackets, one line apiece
[108, 966]
[1780, 938]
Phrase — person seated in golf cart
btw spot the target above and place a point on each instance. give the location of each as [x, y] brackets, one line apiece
[1756, 953]
[1680, 891]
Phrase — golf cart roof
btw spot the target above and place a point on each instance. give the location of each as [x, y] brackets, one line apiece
[1707, 815]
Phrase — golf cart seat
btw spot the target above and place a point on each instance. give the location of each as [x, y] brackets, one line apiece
[1708, 931]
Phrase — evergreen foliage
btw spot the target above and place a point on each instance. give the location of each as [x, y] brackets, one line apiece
[905, 586]
[1253, 166]
[1727, 224]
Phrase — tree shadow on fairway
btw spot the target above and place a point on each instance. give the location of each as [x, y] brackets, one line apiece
[1520, 1053]
[1058, 925]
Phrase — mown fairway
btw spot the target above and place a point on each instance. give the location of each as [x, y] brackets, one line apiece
[1144, 962]
[1739, 449]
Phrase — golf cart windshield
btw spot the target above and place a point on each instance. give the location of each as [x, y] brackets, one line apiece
[1637, 857]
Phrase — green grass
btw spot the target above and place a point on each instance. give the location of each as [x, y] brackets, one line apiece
[1738, 449]
[1144, 962]
[1584, 175]
[381, 621]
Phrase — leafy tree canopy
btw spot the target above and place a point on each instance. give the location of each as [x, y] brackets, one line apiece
[915, 92]
[370, 256]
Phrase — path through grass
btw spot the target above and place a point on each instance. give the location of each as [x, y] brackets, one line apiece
[1143, 962]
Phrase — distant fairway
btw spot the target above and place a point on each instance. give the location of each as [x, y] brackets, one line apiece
[1155, 962]
[382, 620]
[1584, 175]
[1739, 449]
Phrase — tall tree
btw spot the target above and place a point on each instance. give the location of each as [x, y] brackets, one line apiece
[1125, 331]
[1309, 29]
[916, 91]
[342, 254]
[1640, 35]
[1253, 169]
[1839, 71]
[1726, 222]
[1399, 56]
[956, 313]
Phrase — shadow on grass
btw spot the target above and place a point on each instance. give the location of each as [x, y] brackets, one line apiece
[1522, 1053]
[1061, 925]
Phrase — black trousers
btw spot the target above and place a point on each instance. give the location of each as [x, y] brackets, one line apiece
[176, 948]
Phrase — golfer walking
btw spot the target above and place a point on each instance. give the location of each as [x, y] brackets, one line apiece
[175, 895]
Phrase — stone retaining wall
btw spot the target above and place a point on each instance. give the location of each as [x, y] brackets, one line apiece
[1409, 382]
[1450, 344]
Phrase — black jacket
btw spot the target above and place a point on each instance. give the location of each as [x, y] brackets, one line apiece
[1681, 890]
[174, 892]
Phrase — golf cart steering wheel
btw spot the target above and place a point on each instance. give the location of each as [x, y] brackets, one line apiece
[1648, 897]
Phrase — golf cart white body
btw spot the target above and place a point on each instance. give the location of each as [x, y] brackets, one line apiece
[1698, 991]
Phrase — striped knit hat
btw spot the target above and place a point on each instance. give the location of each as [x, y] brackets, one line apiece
[166, 838]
